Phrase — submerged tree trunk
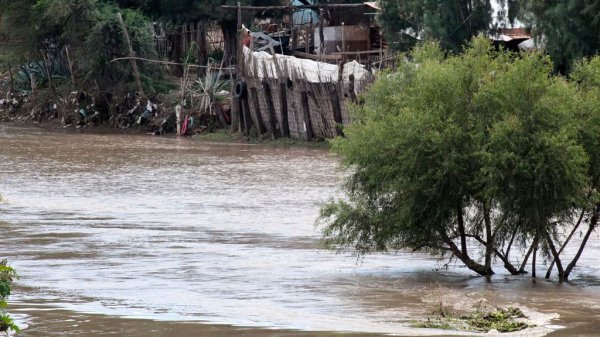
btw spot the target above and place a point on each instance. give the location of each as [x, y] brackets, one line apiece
[489, 247]
[549, 271]
[555, 254]
[464, 258]
[461, 229]
[534, 257]
[503, 257]
[527, 255]
[593, 223]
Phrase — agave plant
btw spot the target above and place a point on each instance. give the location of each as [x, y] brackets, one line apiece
[40, 73]
[211, 86]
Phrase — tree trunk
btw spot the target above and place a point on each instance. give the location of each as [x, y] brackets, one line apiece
[230, 38]
[489, 248]
[549, 272]
[461, 229]
[507, 265]
[136, 73]
[504, 257]
[534, 258]
[527, 255]
[555, 254]
[470, 263]
[201, 34]
[593, 223]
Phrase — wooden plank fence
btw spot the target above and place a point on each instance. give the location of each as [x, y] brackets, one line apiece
[289, 105]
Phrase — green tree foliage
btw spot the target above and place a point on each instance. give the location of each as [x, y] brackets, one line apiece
[477, 148]
[88, 27]
[105, 42]
[7, 276]
[453, 23]
[94, 37]
[569, 29]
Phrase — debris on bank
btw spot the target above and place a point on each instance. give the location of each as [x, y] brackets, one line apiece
[480, 315]
[79, 109]
[509, 319]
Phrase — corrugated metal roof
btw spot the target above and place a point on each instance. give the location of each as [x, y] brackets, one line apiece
[373, 4]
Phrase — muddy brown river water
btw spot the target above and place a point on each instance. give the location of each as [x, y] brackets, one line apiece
[123, 235]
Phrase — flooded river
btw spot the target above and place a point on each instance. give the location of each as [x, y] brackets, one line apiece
[141, 236]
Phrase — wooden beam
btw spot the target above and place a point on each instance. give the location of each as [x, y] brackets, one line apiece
[295, 8]
[318, 57]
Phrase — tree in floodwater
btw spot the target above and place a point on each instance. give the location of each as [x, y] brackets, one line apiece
[470, 155]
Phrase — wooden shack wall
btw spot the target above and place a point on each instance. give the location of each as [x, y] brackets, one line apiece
[320, 104]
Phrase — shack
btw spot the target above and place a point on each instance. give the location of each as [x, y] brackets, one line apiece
[301, 90]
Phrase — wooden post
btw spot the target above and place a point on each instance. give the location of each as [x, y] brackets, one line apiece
[337, 112]
[240, 45]
[32, 79]
[351, 89]
[294, 39]
[343, 38]
[218, 110]
[306, 117]
[70, 66]
[246, 115]
[257, 116]
[269, 99]
[308, 35]
[136, 72]
[48, 74]
[285, 124]
[11, 84]
[178, 118]
[321, 33]
[235, 114]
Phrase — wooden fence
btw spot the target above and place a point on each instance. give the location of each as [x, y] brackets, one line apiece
[290, 105]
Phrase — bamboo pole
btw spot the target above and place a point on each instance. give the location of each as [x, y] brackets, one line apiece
[164, 62]
[136, 72]
[70, 66]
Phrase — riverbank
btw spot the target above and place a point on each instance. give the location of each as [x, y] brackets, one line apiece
[128, 115]
[226, 136]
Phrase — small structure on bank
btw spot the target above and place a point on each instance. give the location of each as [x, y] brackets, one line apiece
[295, 80]
[286, 96]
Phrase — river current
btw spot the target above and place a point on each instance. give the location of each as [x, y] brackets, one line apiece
[135, 235]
